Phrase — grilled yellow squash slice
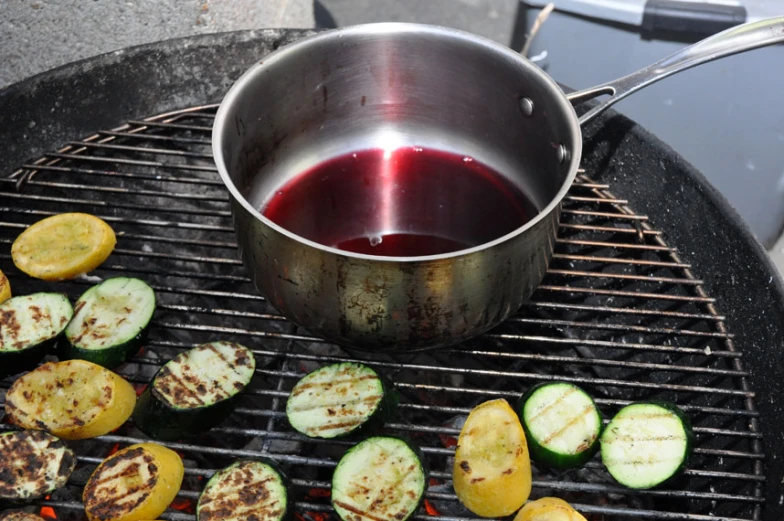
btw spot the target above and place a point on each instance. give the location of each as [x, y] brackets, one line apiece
[492, 470]
[548, 509]
[5, 288]
[73, 400]
[134, 484]
[63, 246]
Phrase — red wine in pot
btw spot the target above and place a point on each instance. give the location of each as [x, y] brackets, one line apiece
[402, 203]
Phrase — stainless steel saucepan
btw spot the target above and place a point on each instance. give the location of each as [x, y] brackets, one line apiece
[391, 87]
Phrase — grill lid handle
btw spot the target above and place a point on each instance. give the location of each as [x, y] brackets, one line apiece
[735, 40]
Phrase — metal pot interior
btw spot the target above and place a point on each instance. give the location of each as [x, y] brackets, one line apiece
[424, 130]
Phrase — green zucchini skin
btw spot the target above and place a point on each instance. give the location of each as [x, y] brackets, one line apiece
[156, 416]
[225, 512]
[383, 412]
[544, 455]
[160, 421]
[73, 345]
[676, 473]
[15, 361]
[338, 490]
[110, 358]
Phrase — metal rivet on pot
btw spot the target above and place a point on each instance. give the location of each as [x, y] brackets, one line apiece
[563, 154]
[527, 106]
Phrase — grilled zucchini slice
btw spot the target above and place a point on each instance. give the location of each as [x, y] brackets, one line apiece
[492, 470]
[73, 400]
[63, 246]
[647, 444]
[195, 391]
[562, 424]
[33, 464]
[380, 478]
[133, 484]
[340, 399]
[111, 322]
[29, 327]
[5, 288]
[247, 489]
[548, 509]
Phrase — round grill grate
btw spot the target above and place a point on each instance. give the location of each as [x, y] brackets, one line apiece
[619, 313]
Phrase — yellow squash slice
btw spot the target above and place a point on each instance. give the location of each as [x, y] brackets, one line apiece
[548, 509]
[63, 246]
[5, 288]
[73, 400]
[134, 484]
[492, 471]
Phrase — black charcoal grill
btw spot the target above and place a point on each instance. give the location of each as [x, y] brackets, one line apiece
[657, 290]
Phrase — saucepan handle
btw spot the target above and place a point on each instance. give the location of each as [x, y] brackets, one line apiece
[735, 40]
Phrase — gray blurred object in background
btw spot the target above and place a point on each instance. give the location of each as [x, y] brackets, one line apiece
[494, 19]
[725, 117]
[38, 35]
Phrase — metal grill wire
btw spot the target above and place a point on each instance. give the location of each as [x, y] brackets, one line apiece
[619, 313]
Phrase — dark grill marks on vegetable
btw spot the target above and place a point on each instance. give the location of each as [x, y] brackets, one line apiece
[341, 403]
[555, 403]
[177, 389]
[218, 354]
[340, 399]
[646, 417]
[338, 425]
[85, 325]
[105, 499]
[67, 464]
[382, 478]
[110, 323]
[78, 307]
[571, 423]
[647, 444]
[33, 464]
[191, 388]
[629, 437]
[239, 360]
[386, 497]
[359, 512]
[329, 385]
[239, 495]
[37, 315]
[10, 324]
[29, 325]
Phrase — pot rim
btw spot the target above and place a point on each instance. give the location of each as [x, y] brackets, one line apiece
[222, 120]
